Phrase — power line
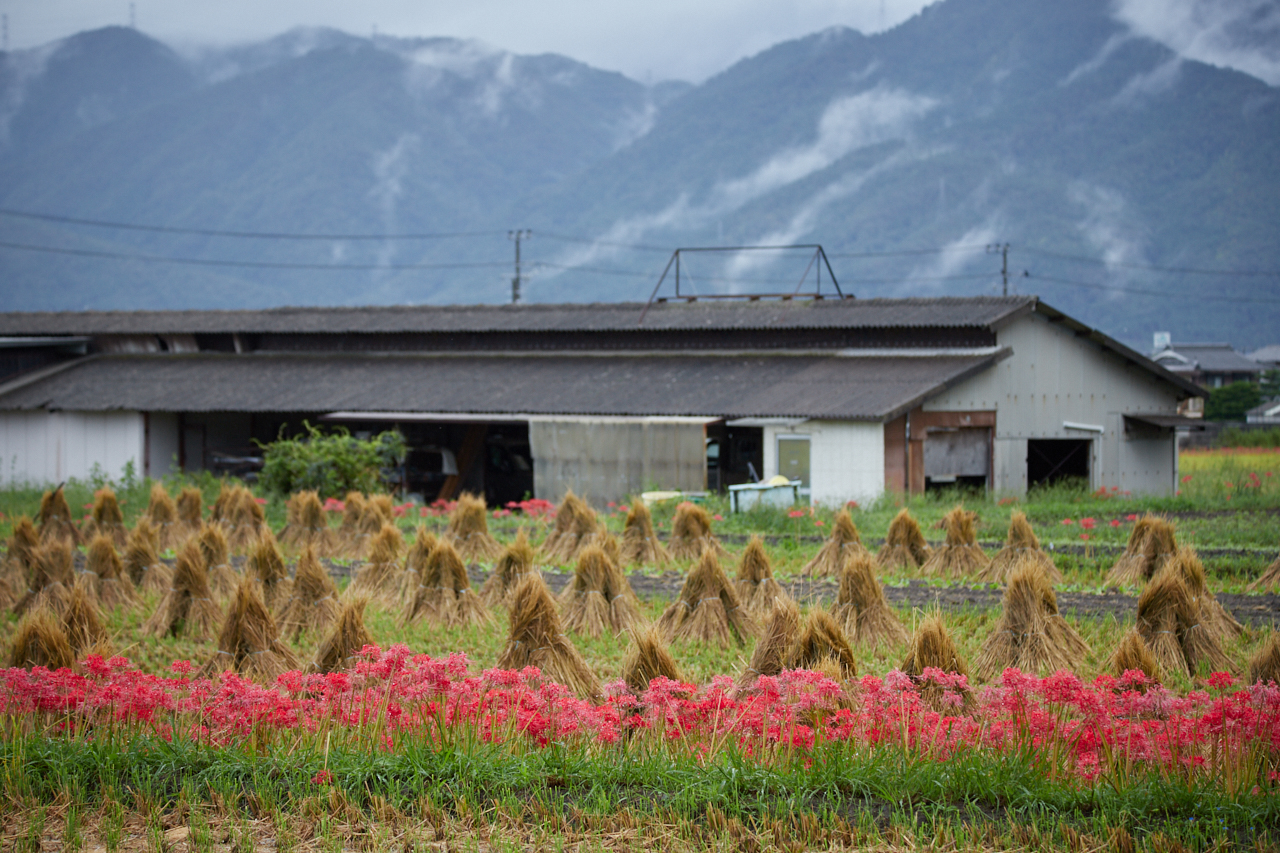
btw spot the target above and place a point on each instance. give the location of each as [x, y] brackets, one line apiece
[1146, 292]
[253, 235]
[207, 262]
[907, 252]
[1148, 267]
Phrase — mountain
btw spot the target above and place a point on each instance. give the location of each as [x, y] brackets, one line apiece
[1110, 165]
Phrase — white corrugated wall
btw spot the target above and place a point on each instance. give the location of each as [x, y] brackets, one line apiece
[41, 448]
[846, 459]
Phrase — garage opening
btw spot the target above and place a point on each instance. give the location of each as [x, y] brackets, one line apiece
[1052, 460]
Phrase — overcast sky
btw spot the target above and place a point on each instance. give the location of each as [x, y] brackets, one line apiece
[648, 40]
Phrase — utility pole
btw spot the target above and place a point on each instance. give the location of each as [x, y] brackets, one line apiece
[517, 235]
[1003, 249]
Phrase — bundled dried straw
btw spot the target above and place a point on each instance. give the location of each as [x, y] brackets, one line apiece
[575, 525]
[52, 577]
[771, 653]
[691, 533]
[1269, 578]
[106, 517]
[1133, 654]
[537, 639]
[708, 610]
[378, 578]
[349, 538]
[1151, 544]
[932, 647]
[345, 642]
[215, 551]
[960, 556]
[313, 606]
[145, 570]
[1213, 615]
[19, 562]
[190, 512]
[861, 606]
[516, 561]
[1020, 543]
[624, 604]
[415, 565]
[162, 514]
[1265, 665]
[249, 642]
[648, 658]
[1171, 622]
[1031, 635]
[378, 511]
[844, 541]
[220, 512]
[469, 529]
[754, 580]
[106, 581]
[41, 641]
[583, 607]
[904, 546]
[245, 521]
[445, 596]
[607, 542]
[307, 525]
[821, 639]
[266, 563]
[640, 544]
[81, 623]
[54, 519]
[188, 608]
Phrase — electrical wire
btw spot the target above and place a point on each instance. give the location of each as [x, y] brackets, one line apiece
[1137, 291]
[275, 265]
[253, 235]
[1148, 267]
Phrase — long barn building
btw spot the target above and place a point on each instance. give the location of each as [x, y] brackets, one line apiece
[850, 396]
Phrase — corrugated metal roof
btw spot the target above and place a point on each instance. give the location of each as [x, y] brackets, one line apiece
[814, 386]
[981, 311]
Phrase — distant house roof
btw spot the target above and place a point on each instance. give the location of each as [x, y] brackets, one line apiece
[1205, 358]
[941, 312]
[1268, 356]
[843, 387]
[1265, 413]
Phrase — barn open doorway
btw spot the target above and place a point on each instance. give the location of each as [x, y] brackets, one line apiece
[1051, 460]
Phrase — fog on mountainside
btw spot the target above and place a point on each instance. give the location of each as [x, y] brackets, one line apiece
[1095, 153]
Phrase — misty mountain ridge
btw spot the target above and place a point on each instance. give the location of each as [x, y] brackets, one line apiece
[1094, 152]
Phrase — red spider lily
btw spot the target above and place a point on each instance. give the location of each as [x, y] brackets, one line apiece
[1068, 521]
[334, 505]
[1088, 523]
[796, 513]
[1115, 522]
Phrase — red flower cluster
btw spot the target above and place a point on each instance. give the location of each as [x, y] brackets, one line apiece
[1085, 732]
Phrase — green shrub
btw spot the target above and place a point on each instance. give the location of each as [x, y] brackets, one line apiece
[1236, 437]
[1230, 402]
[331, 464]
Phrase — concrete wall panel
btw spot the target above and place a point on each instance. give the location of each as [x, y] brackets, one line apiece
[43, 448]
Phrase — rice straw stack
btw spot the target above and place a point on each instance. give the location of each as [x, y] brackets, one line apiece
[537, 639]
[1132, 653]
[348, 638]
[106, 581]
[144, 568]
[40, 640]
[54, 520]
[640, 544]
[516, 561]
[1270, 577]
[266, 564]
[583, 607]
[1030, 635]
[52, 577]
[215, 550]
[445, 596]
[249, 642]
[960, 556]
[190, 517]
[843, 541]
[821, 639]
[313, 605]
[575, 525]
[861, 607]
[1212, 614]
[708, 610]
[648, 658]
[106, 517]
[933, 648]
[415, 565]
[1020, 543]
[469, 529]
[770, 654]
[187, 609]
[904, 546]
[162, 514]
[754, 581]
[1151, 544]
[1264, 668]
[308, 526]
[81, 622]
[691, 533]
[378, 579]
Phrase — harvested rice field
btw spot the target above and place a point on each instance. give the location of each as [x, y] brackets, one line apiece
[196, 667]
